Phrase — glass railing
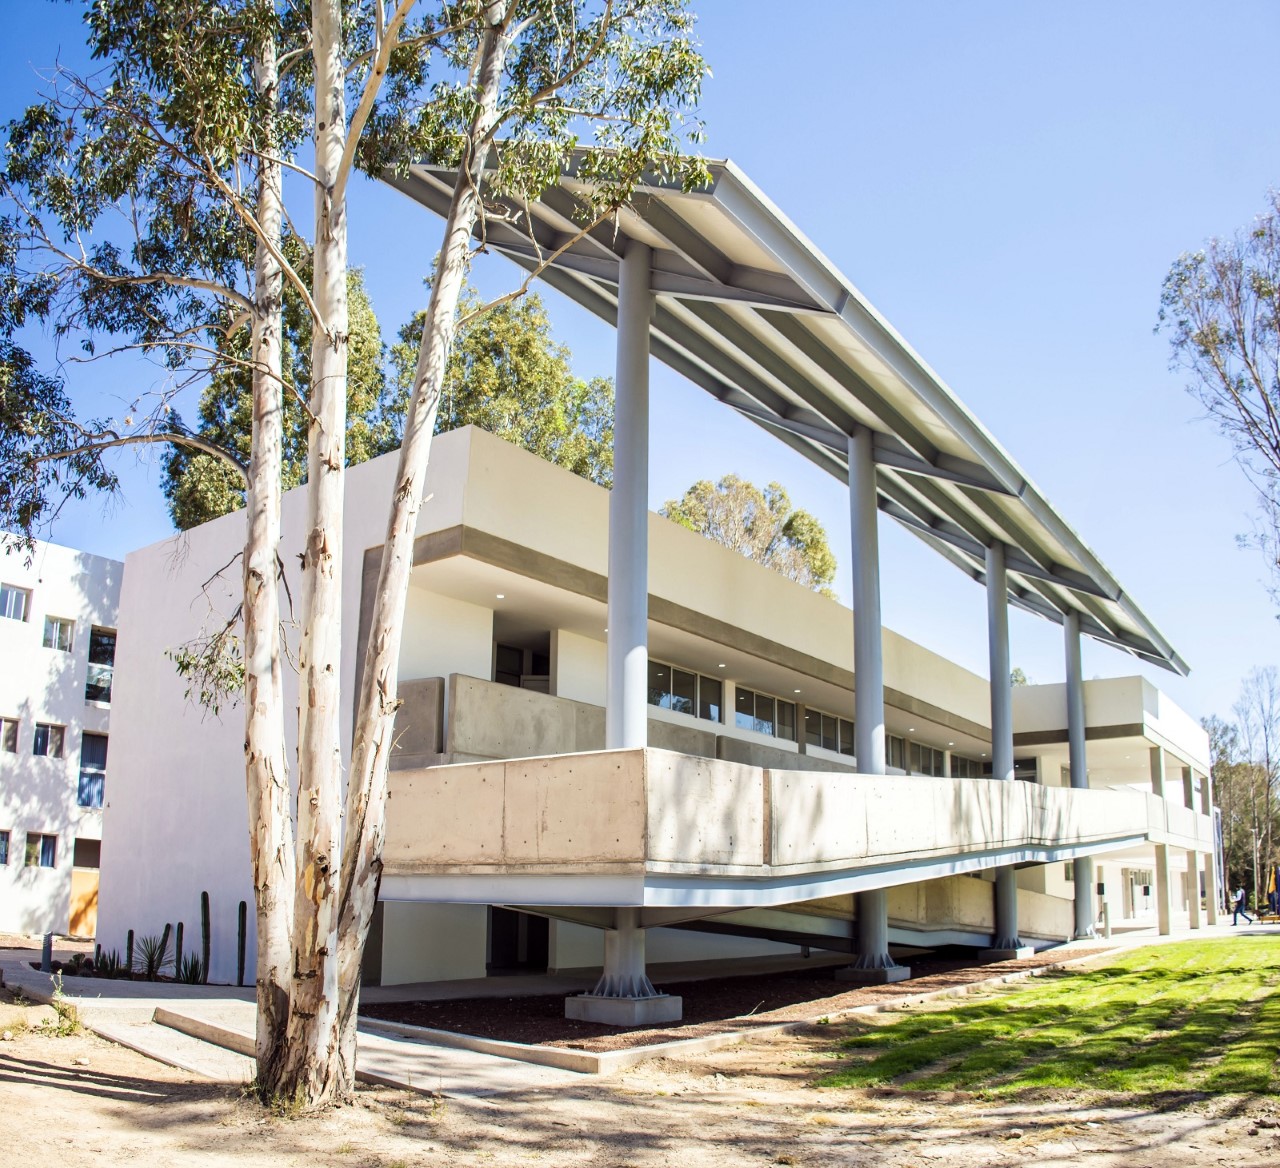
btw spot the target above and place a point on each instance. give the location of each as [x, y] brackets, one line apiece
[98, 683]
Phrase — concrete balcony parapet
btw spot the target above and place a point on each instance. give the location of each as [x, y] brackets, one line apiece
[670, 829]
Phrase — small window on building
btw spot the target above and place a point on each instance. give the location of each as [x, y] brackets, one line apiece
[58, 632]
[965, 768]
[93, 770]
[102, 660]
[48, 740]
[87, 853]
[42, 850]
[896, 752]
[4, 847]
[8, 735]
[508, 665]
[1069, 872]
[926, 761]
[15, 602]
[846, 738]
[710, 698]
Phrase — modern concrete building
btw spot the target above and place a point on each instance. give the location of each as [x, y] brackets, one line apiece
[622, 744]
[57, 648]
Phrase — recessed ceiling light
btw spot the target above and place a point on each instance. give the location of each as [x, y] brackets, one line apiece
[502, 596]
[911, 729]
[720, 666]
[951, 744]
[795, 691]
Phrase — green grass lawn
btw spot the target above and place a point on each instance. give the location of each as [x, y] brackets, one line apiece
[1192, 1016]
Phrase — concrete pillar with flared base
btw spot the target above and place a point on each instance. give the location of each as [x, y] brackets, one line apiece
[1086, 914]
[1006, 944]
[872, 961]
[1164, 890]
[624, 995]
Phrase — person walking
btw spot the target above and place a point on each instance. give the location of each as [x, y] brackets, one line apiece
[1238, 905]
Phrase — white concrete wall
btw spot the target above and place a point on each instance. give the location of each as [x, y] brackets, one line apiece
[578, 667]
[444, 636]
[432, 942]
[176, 820]
[48, 685]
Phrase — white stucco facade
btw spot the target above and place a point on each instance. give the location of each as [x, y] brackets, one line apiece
[56, 709]
[509, 577]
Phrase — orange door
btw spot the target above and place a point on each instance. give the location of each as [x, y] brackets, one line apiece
[84, 902]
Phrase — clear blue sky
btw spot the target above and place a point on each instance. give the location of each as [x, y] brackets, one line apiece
[1008, 183]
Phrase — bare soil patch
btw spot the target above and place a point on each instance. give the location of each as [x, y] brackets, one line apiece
[710, 1006]
[83, 1101]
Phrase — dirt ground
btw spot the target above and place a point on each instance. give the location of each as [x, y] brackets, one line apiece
[710, 1006]
[81, 1100]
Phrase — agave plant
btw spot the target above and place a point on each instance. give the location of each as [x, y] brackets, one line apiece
[153, 954]
[110, 964]
[191, 969]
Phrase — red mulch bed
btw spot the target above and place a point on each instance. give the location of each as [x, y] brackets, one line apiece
[710, 1006]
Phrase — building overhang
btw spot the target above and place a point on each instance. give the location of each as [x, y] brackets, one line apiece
[750, 311]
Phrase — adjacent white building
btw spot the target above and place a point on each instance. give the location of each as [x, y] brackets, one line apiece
[57, 652]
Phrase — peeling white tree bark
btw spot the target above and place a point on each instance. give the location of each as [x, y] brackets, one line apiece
[266, 768]
[377, 701]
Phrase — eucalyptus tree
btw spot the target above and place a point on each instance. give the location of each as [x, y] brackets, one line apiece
[759, 524]
[146, 207]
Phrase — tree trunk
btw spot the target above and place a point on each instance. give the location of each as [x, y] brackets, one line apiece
[266, 768]
[377, 701]
[312, 1073]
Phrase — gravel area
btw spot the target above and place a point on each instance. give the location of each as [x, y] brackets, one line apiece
[710, 1006]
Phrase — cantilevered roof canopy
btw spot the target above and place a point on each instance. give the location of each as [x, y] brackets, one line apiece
[748, 309]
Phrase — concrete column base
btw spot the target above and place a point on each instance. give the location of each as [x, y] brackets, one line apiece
[889, 973]
[1090, 934]
[1019, 953]
[624, 1011]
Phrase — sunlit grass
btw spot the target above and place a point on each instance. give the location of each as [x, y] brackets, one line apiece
[1192, 1016]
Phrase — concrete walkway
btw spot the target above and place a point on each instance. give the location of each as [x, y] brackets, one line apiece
[208, 1030]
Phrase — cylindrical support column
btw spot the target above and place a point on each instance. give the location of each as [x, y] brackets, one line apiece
[623, 975]
[1164, 891]
[626, 703]
[1212, 891]
[1193, 888]
[868, 659]
[1007, 940]
[998, 645]
[872, 962]
[1082, 868]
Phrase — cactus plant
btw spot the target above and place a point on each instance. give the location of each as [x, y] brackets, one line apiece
[240, 939]
[128, 953]
[204, 934]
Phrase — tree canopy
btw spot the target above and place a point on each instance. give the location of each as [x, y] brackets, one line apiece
[761, 525]
[1221, 308]
[507, 375]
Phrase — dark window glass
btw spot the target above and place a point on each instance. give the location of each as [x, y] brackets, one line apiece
[829, 724]
[744, 709]
[42, 850]
[895, 754]
[87, 853]
[710, 698]
[764, 714]
[508, 665]
[48, 741]
[684, 692]
[13, 601]
[659, 685]
[9, 735]
[813, 727]
[102, 659]
[540, 663]
[846, 737]
[4, 847]
[786, 725]
[93, 768]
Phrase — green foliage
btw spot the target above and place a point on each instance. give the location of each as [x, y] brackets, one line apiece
[507, 375]
[760, 525]
[154, 955]
[190, 970]
[1192, 1016]
[66, 1019]
[200, 486]
[110, 964]
[212, 667]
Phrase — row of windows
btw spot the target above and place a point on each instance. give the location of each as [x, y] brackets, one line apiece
[686, 692]
[49, 741]
[59, 635]
[41, 851]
